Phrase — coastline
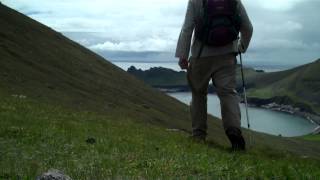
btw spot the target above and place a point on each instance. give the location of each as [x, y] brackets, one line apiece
[274, 105]
[290, 110]
[313, 118]
[270, 104]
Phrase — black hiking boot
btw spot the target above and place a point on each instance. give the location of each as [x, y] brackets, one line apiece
[237, 141]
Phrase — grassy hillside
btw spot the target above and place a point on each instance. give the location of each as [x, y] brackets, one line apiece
[35, 137]
[55, 94]
[301, 85]
[312, 137]
[40, 63]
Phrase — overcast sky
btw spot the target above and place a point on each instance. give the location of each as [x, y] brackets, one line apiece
[285, 31]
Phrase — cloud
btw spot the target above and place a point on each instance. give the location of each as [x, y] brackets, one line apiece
[150, 44]
[143, 56]
[137, 27]
[274, 44]
[275, 5]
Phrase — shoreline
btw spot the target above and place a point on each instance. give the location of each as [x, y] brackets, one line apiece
[269, 105]
[288, 109]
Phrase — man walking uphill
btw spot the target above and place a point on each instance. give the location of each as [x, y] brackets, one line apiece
[215, 26]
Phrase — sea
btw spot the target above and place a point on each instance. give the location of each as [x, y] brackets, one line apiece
[260, 119]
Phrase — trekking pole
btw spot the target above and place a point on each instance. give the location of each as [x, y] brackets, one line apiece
[245, 98]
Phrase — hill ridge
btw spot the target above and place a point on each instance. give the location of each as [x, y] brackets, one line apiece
[299, 86]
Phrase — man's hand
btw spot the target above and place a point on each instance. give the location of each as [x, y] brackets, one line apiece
[183, 63]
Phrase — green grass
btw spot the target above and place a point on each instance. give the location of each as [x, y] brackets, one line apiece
[35, 137]
[301, 84]
[312, 137]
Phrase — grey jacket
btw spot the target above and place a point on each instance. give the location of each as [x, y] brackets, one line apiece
[195, 11]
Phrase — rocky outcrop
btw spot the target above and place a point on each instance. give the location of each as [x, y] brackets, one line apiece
[53, 174]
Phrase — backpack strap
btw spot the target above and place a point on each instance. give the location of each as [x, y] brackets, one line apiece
[205, 17]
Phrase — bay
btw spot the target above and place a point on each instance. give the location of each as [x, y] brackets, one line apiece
[262, 120]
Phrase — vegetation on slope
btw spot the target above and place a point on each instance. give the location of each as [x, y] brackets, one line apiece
[301, 85]
[35, 137]
[314, 137]
[42, 64]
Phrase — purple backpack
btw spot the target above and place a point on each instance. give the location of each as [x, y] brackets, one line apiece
[220, 23]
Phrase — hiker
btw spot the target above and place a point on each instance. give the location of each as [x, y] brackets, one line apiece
[215, 26]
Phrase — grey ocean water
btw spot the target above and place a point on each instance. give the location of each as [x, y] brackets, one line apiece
[262, 120]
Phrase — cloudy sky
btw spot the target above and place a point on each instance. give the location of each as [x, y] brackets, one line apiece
[285, 31]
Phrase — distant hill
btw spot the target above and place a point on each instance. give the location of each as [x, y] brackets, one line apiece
[160, 77]
[299, 86]
[55, 95]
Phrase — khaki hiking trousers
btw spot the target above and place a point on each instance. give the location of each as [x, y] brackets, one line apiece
[222, 71]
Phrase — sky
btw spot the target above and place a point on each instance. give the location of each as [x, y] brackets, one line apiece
[285, 31]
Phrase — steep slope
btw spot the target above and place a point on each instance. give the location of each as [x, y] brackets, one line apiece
[48, 68]
[40, 63]
[300, 85]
